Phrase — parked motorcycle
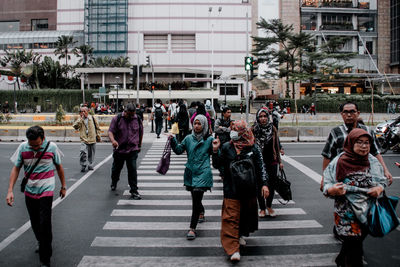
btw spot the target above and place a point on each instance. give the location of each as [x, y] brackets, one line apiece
[388, 135]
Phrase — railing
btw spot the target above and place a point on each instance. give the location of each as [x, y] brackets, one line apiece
[336, 27]
[332, 3]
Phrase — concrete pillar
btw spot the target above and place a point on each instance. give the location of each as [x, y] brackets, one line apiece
[124, 81]
[82, 82]
[103, 79]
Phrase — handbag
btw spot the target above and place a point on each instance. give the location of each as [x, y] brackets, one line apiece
[25, 179]
[163, 164]
[98, 137]
[175, 128]
[283, 187]
[382, 217]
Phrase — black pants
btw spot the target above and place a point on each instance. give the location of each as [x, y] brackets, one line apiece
[351, 253]
[182, 134]
[263, 203]
[117, 165]
[158, 122]
[40, 216]
[197, 207]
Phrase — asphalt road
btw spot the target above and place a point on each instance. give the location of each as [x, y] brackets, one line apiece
[94, 226]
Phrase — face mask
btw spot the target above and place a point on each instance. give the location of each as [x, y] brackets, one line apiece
[234, 135]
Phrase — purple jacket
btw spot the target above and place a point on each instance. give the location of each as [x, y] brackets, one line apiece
[128, 133]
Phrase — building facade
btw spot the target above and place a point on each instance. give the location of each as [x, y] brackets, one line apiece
[211, 37]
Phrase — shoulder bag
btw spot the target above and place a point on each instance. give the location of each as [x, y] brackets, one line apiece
[382, 217]
[283, 186]
[25, 179]
[163, 165]
[98, 137]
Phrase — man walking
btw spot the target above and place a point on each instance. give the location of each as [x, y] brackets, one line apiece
[89, 132]
[334, 143]
[126, 134]
[40, 186]
[157, 114]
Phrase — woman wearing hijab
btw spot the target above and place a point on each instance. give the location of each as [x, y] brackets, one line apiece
[239, 209]
[197, 176]
[211, 111]
[266, 136]
[201, 110]
[183, 122]
[353, 179]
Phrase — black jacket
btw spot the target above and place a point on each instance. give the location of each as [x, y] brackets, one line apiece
[226, 155]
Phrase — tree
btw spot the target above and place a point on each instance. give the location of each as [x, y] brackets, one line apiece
[19, 62]
[85, 52]
[64, 44]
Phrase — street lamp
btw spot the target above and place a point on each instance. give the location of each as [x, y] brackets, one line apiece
[225, 79]
[212, 45]
[117, 78]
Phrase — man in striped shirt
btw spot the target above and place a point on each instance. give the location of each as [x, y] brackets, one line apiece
[334, 143]
[39, 190]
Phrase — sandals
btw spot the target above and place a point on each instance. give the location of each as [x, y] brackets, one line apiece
[191, 235]
[262, 214]
[201, 218]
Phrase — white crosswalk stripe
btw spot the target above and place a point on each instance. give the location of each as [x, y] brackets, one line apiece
[160, 221]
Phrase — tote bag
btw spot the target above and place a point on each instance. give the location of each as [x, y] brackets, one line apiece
[283, 186]
[163, 165]
[382, 217]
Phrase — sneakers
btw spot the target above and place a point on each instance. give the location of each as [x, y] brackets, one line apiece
[44, 264]
[202, 218]
[136, 196]
[90, 168]
[113, 187]
[191, 235]
[235, 257]
[83, 169]
[242, 241]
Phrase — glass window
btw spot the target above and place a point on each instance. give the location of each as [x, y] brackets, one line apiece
[310, 3]
[39, 24]
[231, 89]
[366, 23]
[308, 22]
[364, 4]
[9, 26]
[337, 22]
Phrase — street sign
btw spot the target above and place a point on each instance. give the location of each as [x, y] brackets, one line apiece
[102, 91]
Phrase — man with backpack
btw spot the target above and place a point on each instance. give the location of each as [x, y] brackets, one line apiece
[157, 114]
[126, 134]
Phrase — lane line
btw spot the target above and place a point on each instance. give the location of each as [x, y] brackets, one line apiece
[215, 242]
[303, 168]
[185, 213]
[262, 225]
[17, 233]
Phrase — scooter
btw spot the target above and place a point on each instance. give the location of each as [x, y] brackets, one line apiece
[389, 137]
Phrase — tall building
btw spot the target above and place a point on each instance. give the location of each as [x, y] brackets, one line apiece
[366, 25]
[395, 36]
[193, 41]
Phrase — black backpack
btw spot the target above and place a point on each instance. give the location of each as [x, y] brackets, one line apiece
[158, 112]
[243, 176]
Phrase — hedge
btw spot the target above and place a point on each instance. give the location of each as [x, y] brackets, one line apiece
[48, 99]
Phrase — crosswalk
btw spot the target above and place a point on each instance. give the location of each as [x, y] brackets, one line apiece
[151, 231]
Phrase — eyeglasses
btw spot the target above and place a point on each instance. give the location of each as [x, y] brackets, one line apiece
[361, 143]
[353, 111]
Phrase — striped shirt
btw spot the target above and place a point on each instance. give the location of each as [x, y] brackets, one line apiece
[337, 136]
[41, 182]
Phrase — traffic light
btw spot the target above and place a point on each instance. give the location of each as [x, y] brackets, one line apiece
[254, 63]
[152, 87]
[247, 63]
[148, 61]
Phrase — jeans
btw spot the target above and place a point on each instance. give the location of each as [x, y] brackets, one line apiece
[87, 151]
[40, 216]
[117, 165]
[158, 123]
[197, 207]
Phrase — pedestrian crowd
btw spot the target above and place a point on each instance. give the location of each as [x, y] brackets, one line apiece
[248, 158]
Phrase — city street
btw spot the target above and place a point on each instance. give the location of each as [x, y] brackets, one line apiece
[94, 226]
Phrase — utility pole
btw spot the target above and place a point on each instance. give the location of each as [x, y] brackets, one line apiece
[247, 72]
[137, 70]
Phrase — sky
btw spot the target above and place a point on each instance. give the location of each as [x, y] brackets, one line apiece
[268, 9]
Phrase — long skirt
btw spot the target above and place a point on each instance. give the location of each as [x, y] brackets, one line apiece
[239, 218]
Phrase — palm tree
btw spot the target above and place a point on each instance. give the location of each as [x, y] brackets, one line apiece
[64, 43]
[121, 62]
[84, 51]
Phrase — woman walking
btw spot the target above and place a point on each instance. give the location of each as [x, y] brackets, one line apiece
[266, 136]
[239, 208]
[197, 176]
[183, 122]
[201, 110]
[353, 179]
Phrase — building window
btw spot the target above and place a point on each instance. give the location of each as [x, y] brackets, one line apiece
[155, 42]
[366, 23]
[231, 89]
[337, 22]
[308, 22]
[364, 4]
[9, 26]
[369, 45]
[39, 24]
[183, 42]
[310, 3]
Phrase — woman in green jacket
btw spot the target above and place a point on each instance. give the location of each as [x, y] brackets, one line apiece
[197, 176]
